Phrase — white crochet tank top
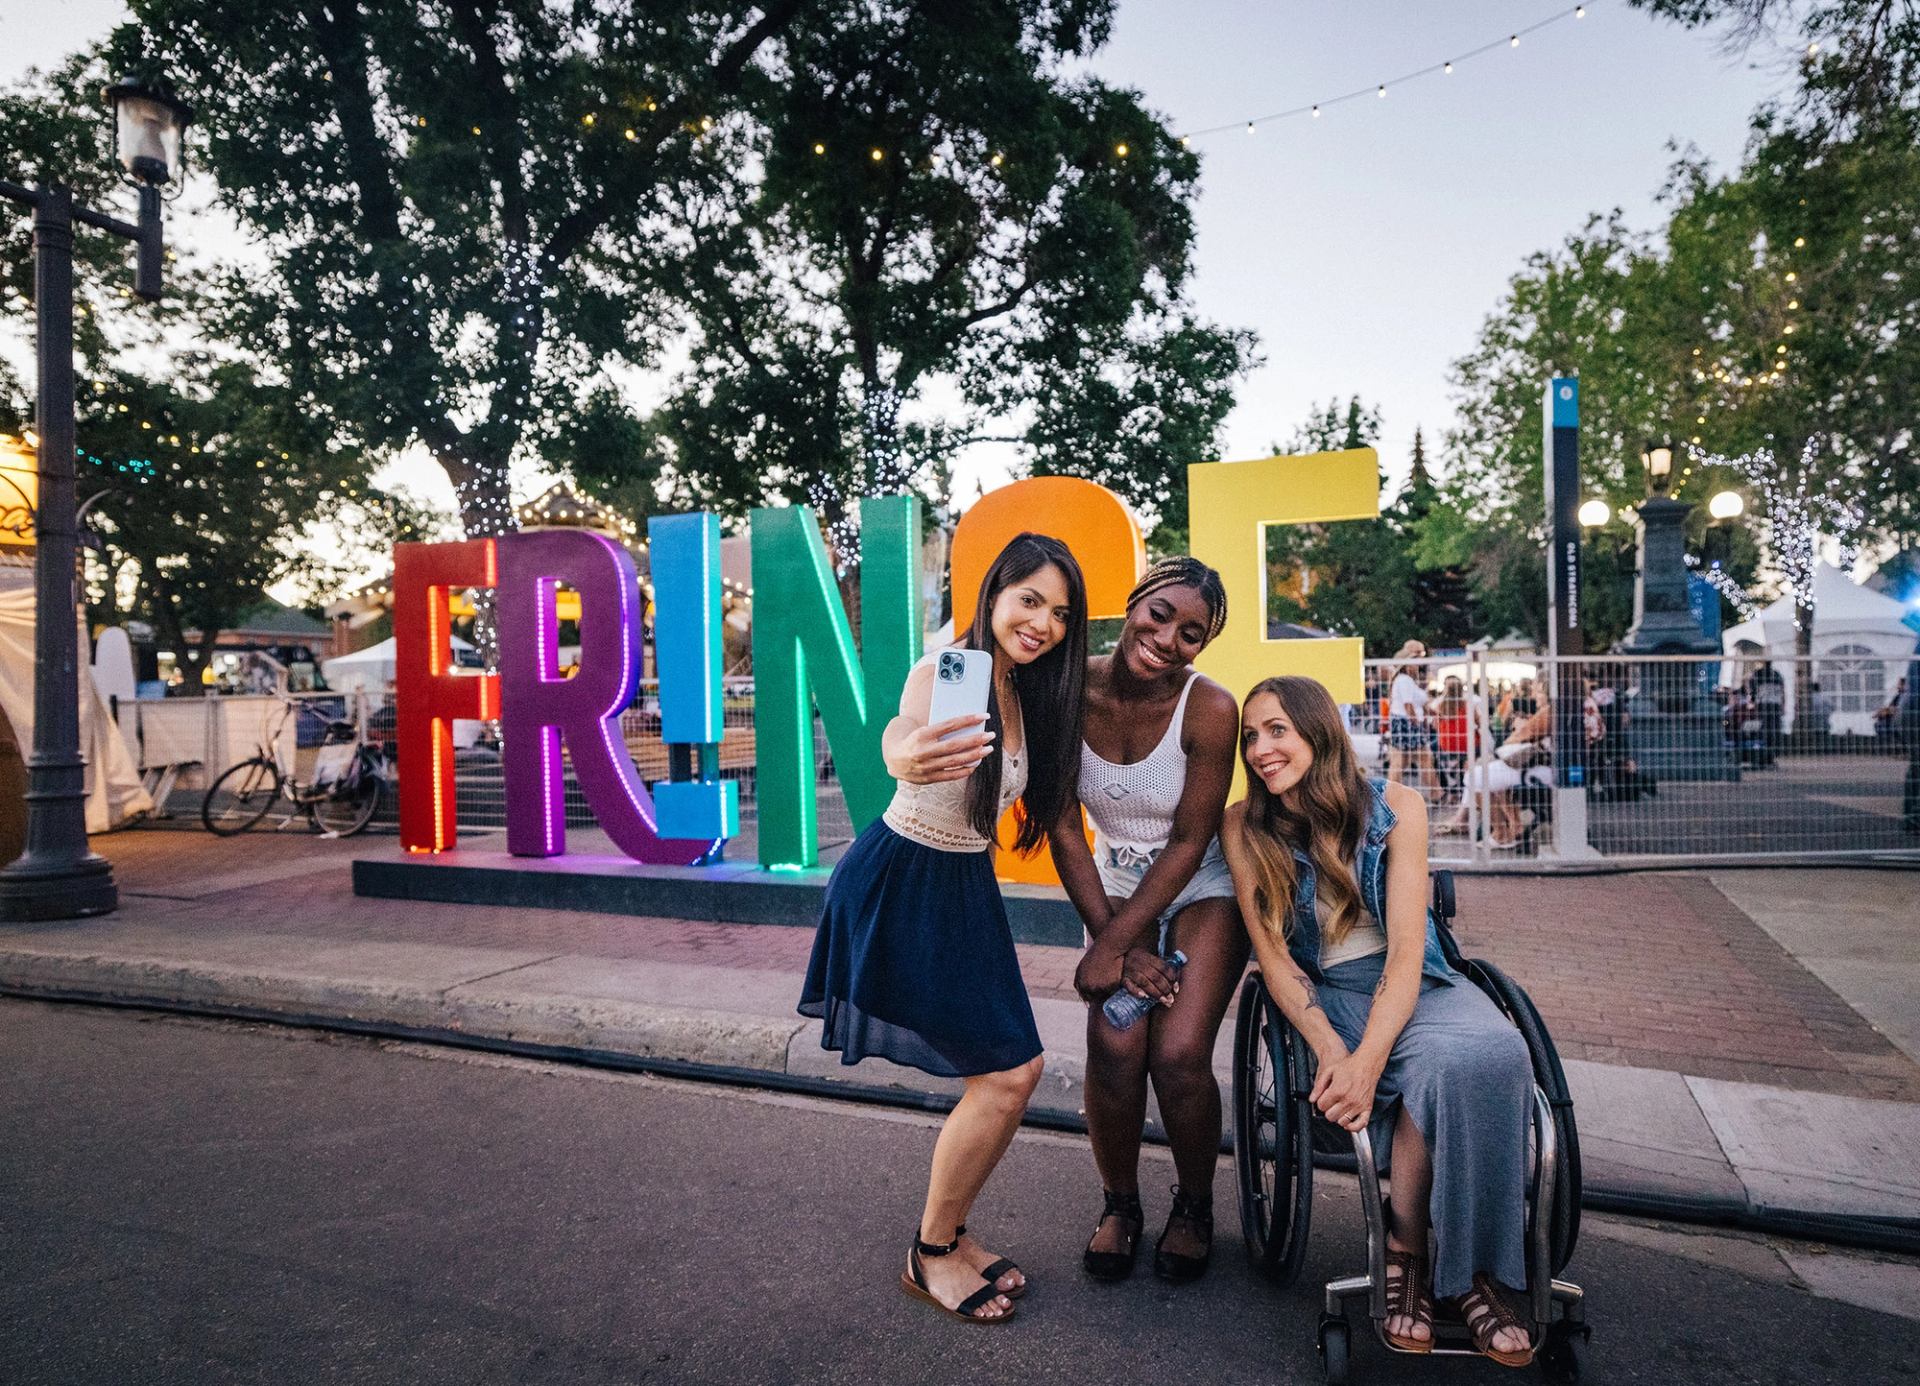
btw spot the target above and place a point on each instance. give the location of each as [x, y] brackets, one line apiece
[935, 815]
[1132, 805]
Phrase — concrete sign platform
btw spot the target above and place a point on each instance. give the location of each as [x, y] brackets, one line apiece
[734, 893]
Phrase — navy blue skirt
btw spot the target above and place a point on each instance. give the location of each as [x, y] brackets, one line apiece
[914, 962]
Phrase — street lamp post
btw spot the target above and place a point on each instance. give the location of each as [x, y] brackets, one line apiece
[1675, 729]
[59, 876]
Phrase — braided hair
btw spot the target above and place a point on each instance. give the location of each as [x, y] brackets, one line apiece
[1184, 570]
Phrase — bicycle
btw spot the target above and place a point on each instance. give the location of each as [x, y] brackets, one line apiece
[340, 798]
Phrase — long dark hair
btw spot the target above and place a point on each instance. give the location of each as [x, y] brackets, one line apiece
[1324, 816]
[1052, 690]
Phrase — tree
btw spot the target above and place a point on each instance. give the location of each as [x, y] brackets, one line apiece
[954, 241]
[196, 476]
[1442, 606]
[461, 202]
[1776, 314]
[203, 484]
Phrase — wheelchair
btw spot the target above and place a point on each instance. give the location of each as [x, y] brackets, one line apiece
[1277, 1132]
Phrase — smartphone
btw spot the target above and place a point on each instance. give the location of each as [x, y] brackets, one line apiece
[961, 679]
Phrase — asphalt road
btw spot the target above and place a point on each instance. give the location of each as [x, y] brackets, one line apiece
[202, 1202]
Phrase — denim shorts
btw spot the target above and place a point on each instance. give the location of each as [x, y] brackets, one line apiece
[1405, 734]
[1123, 867]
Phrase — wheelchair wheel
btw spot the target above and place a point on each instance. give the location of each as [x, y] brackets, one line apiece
[1336, 1350]
[1272, 1137]
[1547, 1072]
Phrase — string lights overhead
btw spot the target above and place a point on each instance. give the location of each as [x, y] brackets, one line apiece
[1379, 89]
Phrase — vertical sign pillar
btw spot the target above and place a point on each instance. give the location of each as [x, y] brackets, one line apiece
[1566, 635]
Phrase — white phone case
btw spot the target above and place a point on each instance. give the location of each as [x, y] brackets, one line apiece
[961, 679]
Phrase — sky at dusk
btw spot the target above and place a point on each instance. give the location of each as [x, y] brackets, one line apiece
[1364, 247]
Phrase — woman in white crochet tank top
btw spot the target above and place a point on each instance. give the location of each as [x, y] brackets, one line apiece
[1155, 768]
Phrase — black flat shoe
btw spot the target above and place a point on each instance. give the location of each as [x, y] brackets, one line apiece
[1116, 1265]
[1172, 1266]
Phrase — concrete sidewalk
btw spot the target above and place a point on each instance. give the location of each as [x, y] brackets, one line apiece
[269, 927]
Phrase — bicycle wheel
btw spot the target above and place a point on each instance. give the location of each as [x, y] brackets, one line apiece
[349, 805]
[240, 797]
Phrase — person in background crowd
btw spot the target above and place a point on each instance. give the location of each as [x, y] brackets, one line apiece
[1821, 722]
[1410, 735]
[1903, 720]
[1769, 693]
[1452, 731]
[1883, 716]
[1525, 756]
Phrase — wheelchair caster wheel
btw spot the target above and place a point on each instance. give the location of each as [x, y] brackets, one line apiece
[1336, 1345]
[1563, 1356]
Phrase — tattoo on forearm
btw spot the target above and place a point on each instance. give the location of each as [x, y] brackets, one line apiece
[1380, 985]
[1313, 995]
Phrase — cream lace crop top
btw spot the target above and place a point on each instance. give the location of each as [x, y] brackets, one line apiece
[935, 815]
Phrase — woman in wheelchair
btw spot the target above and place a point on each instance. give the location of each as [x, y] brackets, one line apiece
[1331, 875]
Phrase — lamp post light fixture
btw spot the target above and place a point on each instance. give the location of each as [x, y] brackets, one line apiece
[1595, 513]
[58, 876]
[1724, 508]
[1658, 460]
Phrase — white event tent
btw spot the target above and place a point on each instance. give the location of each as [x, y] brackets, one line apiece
[113, 789]
[1860, 640]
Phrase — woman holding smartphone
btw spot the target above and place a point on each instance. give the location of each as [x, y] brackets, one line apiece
[1331, 871]
[914, 960]
[1155, 767]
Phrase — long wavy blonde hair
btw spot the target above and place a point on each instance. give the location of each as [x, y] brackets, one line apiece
[1324, 815]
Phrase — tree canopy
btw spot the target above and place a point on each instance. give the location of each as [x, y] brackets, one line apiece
[459, 202]
[950, 241]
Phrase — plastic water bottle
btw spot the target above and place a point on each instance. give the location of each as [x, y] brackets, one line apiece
[1123, 1009]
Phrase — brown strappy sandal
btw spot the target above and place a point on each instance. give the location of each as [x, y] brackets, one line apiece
[1486, 1311]
[1408, 1297]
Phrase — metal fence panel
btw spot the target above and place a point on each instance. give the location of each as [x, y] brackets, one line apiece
[1721, 758]
[1731, 758]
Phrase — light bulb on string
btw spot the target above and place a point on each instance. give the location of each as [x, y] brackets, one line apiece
[1448, 69]
[1514, 42]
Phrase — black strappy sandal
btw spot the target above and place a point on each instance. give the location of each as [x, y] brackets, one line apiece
[913, 1280]
[998, 1269]
[1169, 1265]
[1116, 1265]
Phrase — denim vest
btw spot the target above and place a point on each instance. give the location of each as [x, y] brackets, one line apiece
[1370, 870]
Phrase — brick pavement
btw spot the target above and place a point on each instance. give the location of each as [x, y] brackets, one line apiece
[1654, 970]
